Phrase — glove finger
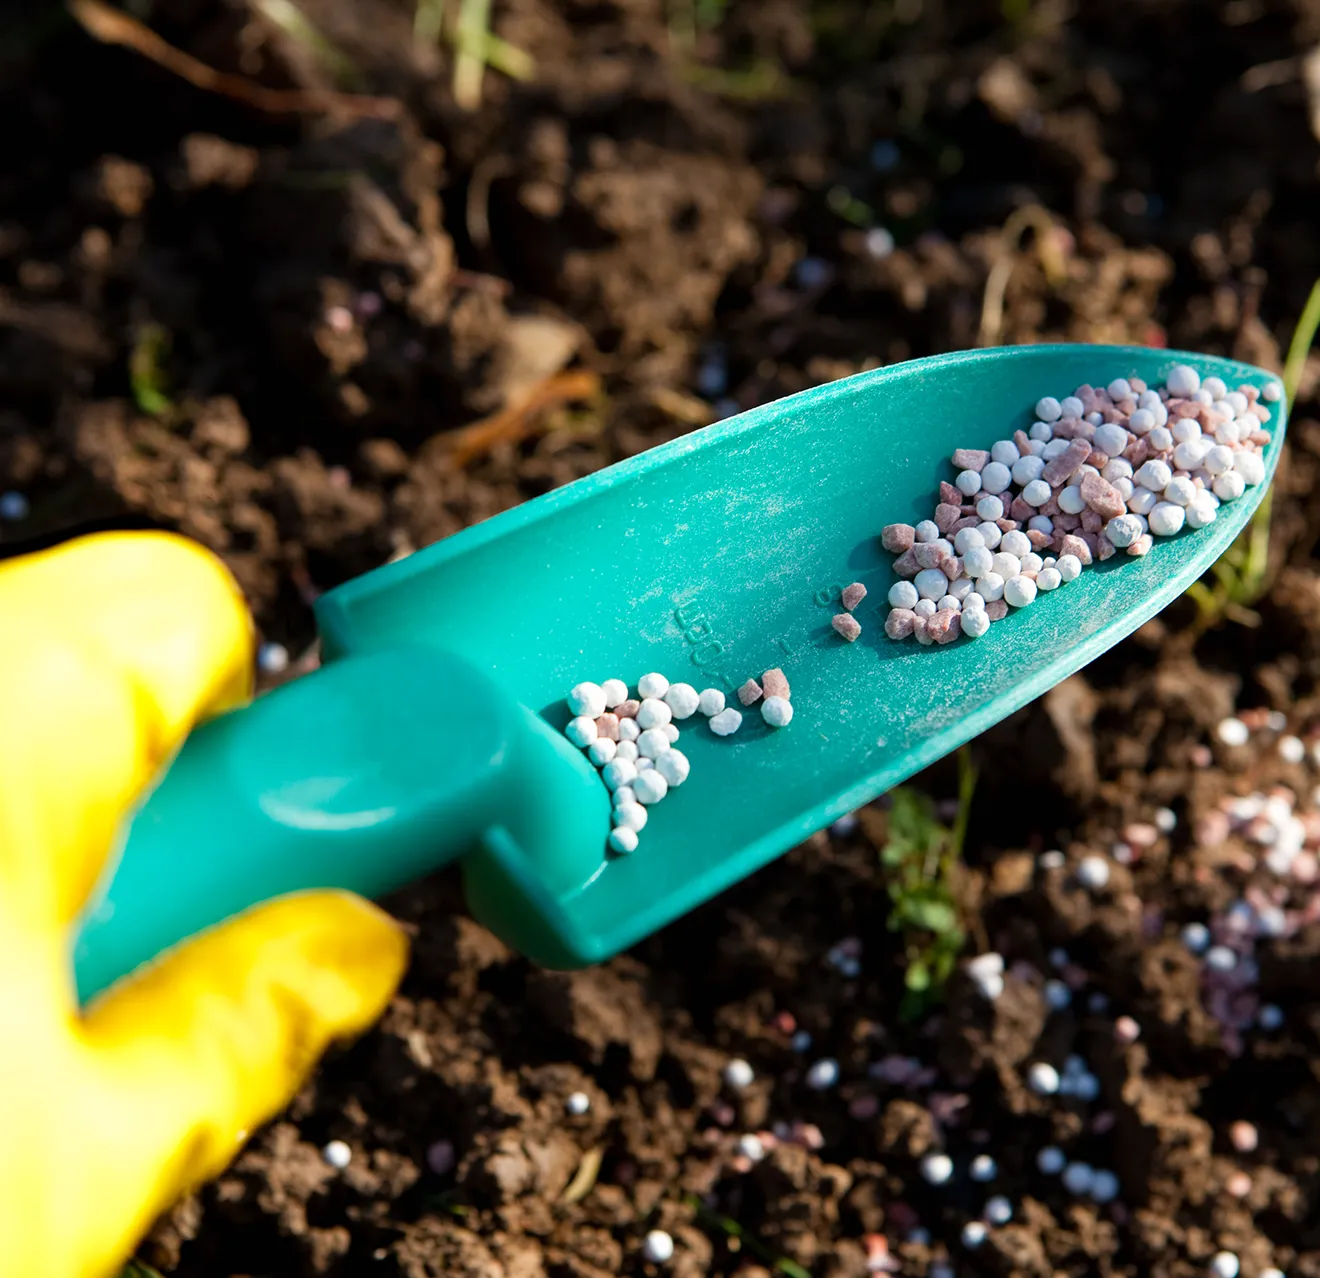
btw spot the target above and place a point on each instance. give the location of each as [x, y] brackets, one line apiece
[215, 1038]
[119, 644]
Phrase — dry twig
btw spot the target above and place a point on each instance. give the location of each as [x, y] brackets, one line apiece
[1028, 217]
[110, 26]
[520, 420]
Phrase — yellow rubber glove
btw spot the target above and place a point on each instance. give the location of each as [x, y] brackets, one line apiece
[110, 649]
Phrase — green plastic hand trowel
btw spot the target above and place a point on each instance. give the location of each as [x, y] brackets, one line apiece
[434, 730]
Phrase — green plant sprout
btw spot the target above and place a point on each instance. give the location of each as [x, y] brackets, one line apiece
[475, 45]
[844, 204]
[285, 15]
[469, 44]
[922, 856]
[709, 13]
[428, 21]
[138, 1269]
[730, 1228]
[448, 1201]
[1241, 575]
[146, 376]
[686, 18]
[763, 80]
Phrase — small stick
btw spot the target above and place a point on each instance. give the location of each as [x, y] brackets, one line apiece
[512, 424]
[110, 26]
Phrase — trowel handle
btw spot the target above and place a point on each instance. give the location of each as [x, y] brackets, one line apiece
[364, 775]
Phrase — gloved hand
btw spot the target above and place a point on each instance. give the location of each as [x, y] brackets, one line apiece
[110, 649]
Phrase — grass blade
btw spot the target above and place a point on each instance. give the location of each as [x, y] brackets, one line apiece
[470, 42]
[294, 23]
[1242, 573]
[428, 21]
[1299, 348]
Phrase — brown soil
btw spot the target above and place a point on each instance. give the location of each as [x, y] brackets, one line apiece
[652, 224]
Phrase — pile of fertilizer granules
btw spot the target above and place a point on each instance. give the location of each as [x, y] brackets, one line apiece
[1099, 472]
[633, 740]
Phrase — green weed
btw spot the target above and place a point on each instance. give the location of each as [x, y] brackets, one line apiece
[428, 21]
[922, 855]
[137, 1269]
[475, 45]
[285, 15]
[469, 43]
[687, 18]
[730, 1228]
[844, 204]
[1241, 574]
[709, 13]
[762, 80]
[448, 1201]
[146, 374]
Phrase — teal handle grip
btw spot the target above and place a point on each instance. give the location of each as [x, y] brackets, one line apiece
[364, 776]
